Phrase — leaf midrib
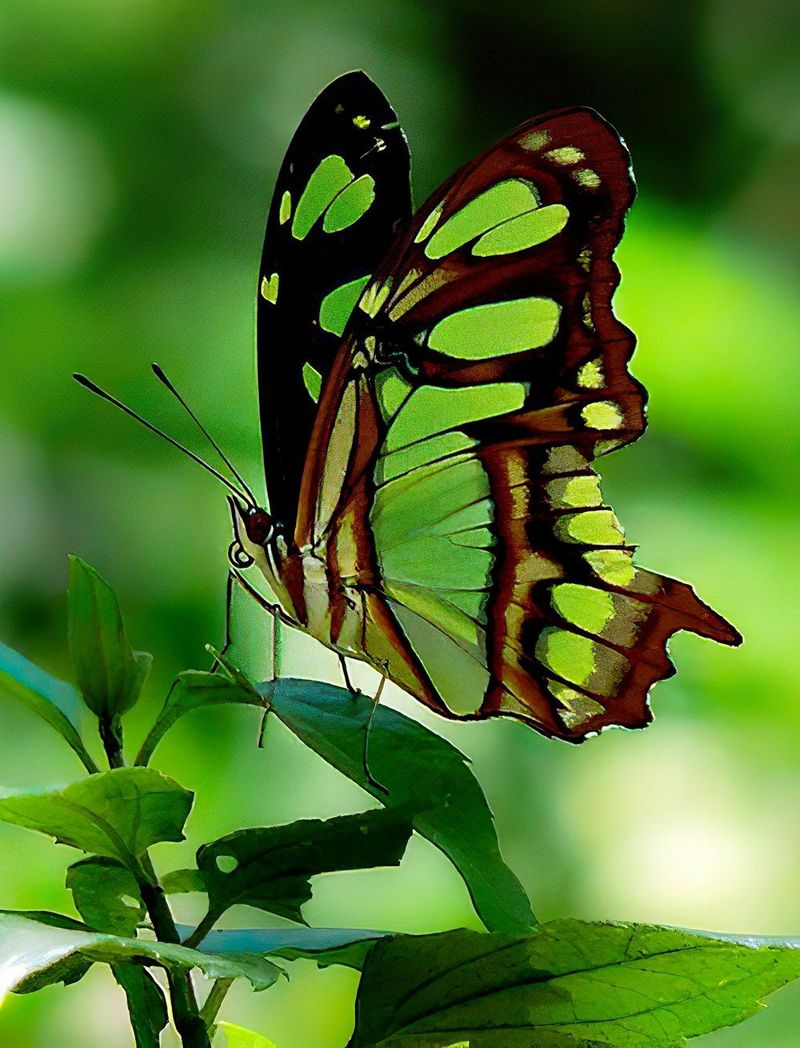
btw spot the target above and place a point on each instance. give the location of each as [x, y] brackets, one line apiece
[113, 835]
[552, 978]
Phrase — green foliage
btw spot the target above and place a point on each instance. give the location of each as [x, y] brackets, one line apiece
[106, 895]
[49, 698]
[193, 690]
[177, 882]
[37, 952]
[117, 813]
[571, 983]
[326, 946]
[567, 983]
[110, 674]
[229, 1036]
[270, 867]
[424, 775]
[146, 1004]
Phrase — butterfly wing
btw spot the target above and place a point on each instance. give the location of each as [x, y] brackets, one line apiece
[341, 194]
[449, 478]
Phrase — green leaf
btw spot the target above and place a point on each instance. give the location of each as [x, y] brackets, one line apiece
[146, 1005]
[226, 1035]
[570, 983]
[115, 813]
[350, 955]
[52, 699]
[423, 774]
[191, 691]
[346, 946]
[270, 867]
[110, 674]
[181, 881]
[37, 950]
[106, 895]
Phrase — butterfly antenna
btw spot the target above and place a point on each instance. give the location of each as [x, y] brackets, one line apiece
[94, 388]
[160, 374]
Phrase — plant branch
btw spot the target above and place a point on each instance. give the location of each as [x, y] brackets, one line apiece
[191, 1028]
[202, 930]
[216, 996]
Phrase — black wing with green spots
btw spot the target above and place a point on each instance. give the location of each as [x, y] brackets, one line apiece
[342, 193]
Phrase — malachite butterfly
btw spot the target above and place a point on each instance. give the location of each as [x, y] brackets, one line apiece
[434, 387]
[433, 390]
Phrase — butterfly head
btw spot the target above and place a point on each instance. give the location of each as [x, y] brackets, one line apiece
[254, 531]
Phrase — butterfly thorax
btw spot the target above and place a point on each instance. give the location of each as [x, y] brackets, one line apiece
[322, 586]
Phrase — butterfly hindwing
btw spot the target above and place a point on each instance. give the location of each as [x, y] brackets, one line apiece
[576, 629]
[449, 474]
[342, 192]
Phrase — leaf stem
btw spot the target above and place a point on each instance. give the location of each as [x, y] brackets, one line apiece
[202, 930]
[154, 736]
[208, 1012]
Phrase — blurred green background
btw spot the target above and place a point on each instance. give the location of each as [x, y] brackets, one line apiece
[139, 140]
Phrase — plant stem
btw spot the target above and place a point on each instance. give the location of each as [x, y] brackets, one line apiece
[202, 930]
[191, 1028]
[208, 1012]
[111, 734]
[185, 1013]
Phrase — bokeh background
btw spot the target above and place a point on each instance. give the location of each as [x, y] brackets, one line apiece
[139, 140]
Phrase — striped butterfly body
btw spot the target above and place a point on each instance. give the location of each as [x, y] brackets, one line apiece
[433, 391]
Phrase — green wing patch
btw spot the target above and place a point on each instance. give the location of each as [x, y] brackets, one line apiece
[337, 305]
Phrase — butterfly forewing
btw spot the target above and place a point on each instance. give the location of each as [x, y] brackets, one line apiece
[342, 192]
[449, 474]
[507, 273]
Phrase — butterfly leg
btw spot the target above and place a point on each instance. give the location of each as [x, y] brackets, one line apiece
[354, 691]
[368, 727]
[275, 672]
[228, 640]
[277, 649]
[273, 609]
[278, 619]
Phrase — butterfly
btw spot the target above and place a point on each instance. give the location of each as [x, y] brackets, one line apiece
[433, 389]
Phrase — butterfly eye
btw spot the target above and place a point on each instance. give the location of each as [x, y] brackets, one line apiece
[260, 528]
